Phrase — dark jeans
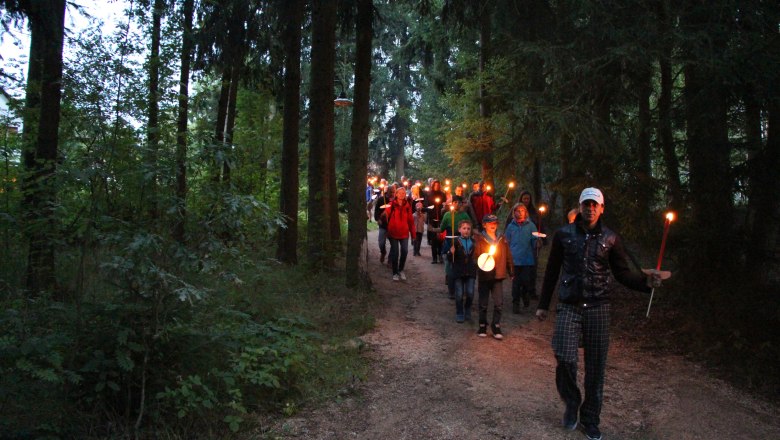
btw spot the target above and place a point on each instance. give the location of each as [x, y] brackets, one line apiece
[417, 242]
[593, 324]
[487, 289]
[524, 284]
[398, 262]
[464, 288]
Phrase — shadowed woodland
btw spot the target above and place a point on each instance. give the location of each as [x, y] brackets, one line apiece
[182, 205]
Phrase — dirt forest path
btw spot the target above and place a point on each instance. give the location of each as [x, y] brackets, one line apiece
[433, 378]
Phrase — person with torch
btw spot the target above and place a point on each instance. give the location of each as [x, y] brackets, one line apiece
[435, 201]
[456, 214]
[495, 265]
[583, 255]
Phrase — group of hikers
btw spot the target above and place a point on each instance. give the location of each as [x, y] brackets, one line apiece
[462, 232]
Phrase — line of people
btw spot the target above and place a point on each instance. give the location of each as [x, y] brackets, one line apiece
[402, 215]
[584, 255]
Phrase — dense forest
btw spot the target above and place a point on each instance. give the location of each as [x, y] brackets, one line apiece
[182, 204]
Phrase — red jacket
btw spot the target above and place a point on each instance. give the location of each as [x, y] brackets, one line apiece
[400, 222]
[483, 204]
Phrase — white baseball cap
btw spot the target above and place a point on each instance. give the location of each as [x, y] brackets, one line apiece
[592, 194]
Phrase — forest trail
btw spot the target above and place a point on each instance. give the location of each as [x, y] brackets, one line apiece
[432, 378]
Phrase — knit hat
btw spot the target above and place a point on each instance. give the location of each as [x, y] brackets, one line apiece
[490, 218]
[592, 194]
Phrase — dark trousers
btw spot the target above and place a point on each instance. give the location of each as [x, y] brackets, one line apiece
[382, 239]
[417, 243]
[593, 324]
[524, 284]
[433, 240]
[487, 289]
[398, 261]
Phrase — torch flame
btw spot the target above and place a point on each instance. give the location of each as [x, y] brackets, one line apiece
[542, 208]
[488, 188]
[438, 200]
[427, 188]
[511, 184]
[670, 216]
[446, 181]
[446, 189]
[452, 207]
[464, 185]
[492, 250]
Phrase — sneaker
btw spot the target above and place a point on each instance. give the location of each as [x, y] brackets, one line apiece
[459, 319]
[592, 431]
[570, 417]
[482, 332]
[396, 277]
[402, 275]
[497, 332]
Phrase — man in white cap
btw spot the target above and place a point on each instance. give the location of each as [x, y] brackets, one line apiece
[583, 254]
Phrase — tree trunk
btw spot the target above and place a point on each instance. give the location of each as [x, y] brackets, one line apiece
[230, 119]
[47, 28]
[286, 251]
[181, 122]
[710, 173]
[665, 134]
[644, 190]
[219, 129]
[485, 111]
[765, 198]
[357, 240]
[153, 126]
[321, 133]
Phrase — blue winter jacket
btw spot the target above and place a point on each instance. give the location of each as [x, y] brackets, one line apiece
[521, 242]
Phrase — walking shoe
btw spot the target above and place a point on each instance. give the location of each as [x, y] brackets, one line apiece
[396, 277]
[403, 275]
[497, 332]
[459, 319]
[515, 308]
[570, 417]
[434, 262]
[592, 431]
[482, 332]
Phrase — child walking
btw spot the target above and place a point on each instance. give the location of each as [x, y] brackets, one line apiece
[490, 282]
[462, 258]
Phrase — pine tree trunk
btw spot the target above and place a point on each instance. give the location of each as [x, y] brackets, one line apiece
[47, 25]
[181, 122]
[665, 134]
[644, 182]
[219, 129]
[286, 251]
[153, 126]
[230, 120]
[321, 133]
[710, 172]
[357, 241]
[765, 199]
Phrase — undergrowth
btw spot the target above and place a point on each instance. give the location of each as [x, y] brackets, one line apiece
[165, 341]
